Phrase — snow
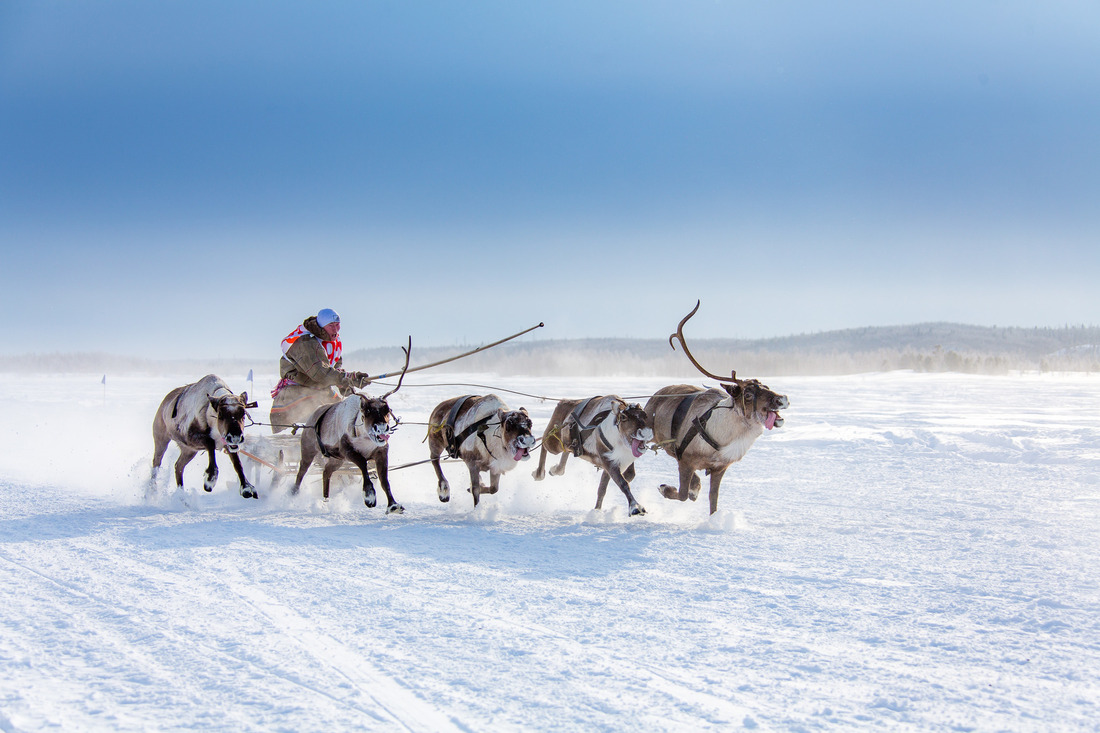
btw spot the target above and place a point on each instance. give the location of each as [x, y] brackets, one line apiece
[909, 550]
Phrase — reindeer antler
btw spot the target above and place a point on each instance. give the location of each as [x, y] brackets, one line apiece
[408, 354]
[679, 336]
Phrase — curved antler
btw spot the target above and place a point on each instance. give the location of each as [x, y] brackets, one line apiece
[679, 336]
[408, 354]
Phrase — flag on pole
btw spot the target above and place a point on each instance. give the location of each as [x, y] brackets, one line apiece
[249, 375]
[104, 382]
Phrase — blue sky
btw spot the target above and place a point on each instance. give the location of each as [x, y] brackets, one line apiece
[192, 178]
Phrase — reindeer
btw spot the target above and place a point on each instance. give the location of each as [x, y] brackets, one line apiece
[356, 429]
[206, 416]
[484, 433]
[710, 429]
[606, 432]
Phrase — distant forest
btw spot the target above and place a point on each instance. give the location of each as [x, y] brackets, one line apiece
[927, 347]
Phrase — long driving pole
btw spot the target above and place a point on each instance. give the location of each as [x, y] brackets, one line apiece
[460, 356]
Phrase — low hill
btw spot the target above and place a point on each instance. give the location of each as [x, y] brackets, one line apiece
[921, 347]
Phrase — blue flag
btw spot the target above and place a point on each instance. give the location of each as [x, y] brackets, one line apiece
[104, 382]
[249, 375]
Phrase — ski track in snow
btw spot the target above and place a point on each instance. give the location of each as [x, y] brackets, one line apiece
[914, 551]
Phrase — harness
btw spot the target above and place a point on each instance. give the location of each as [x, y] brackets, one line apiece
[317, 430]
[583, 431]
[454, 442]
[698, 425]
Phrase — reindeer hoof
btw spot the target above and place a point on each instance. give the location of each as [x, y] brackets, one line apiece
[538, 475]
[249, 492]
[669, 492]
[637, 510]
[555, 471]
[395, 509]
[369, 500]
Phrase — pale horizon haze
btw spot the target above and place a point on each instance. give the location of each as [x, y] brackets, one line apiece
[192, 179]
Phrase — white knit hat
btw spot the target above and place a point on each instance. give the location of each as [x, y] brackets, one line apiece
[326, 316]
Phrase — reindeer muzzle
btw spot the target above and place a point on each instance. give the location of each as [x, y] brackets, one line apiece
[380, 432]
[521, 447]
[773, 418]
[638, 441]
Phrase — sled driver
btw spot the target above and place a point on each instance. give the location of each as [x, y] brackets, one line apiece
[311, 371]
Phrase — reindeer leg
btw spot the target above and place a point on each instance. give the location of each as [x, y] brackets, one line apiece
[326, 475]
[696, 485]
[604, 478]
[309, 452]
[248, 491]
[382, 467]
[540, 473]
[186, 454]
[715, 482]
[361, 463]
[636, 509]
[475, 481]
[160, 445]
[443, 488]
[494, 483]
[559, 469]
[211, 476]
[687, 476]
[628, 474]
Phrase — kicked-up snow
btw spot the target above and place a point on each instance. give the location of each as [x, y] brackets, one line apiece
[907, 551]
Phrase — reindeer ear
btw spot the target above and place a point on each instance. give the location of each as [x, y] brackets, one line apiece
[244, 397]
[733, 389]
[523, 410]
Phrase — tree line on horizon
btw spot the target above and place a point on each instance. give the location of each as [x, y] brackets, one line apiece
[920, 348]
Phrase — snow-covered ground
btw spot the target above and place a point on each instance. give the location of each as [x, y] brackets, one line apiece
[914, 551]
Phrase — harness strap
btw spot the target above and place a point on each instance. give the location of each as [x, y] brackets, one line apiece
[583, 431]
[317, 429]
[698, 425]
[577, 442]
[681, 412]
[454, 442]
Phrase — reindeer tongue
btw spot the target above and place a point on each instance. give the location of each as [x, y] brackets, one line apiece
[520, 454]
[637, 447]
[770, 422]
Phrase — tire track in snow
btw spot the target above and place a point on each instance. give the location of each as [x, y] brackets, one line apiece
[661, 680]
[132, 641]
[401, 705]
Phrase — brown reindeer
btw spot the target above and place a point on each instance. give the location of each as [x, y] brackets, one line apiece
[710, 429]
[604, 431]
[357, 429]
[484, 433]
[205, 416]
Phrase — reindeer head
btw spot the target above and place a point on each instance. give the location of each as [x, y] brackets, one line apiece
[515, 428]
[755, 401]
[375, 419]
[230, 413]
[634, 426]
